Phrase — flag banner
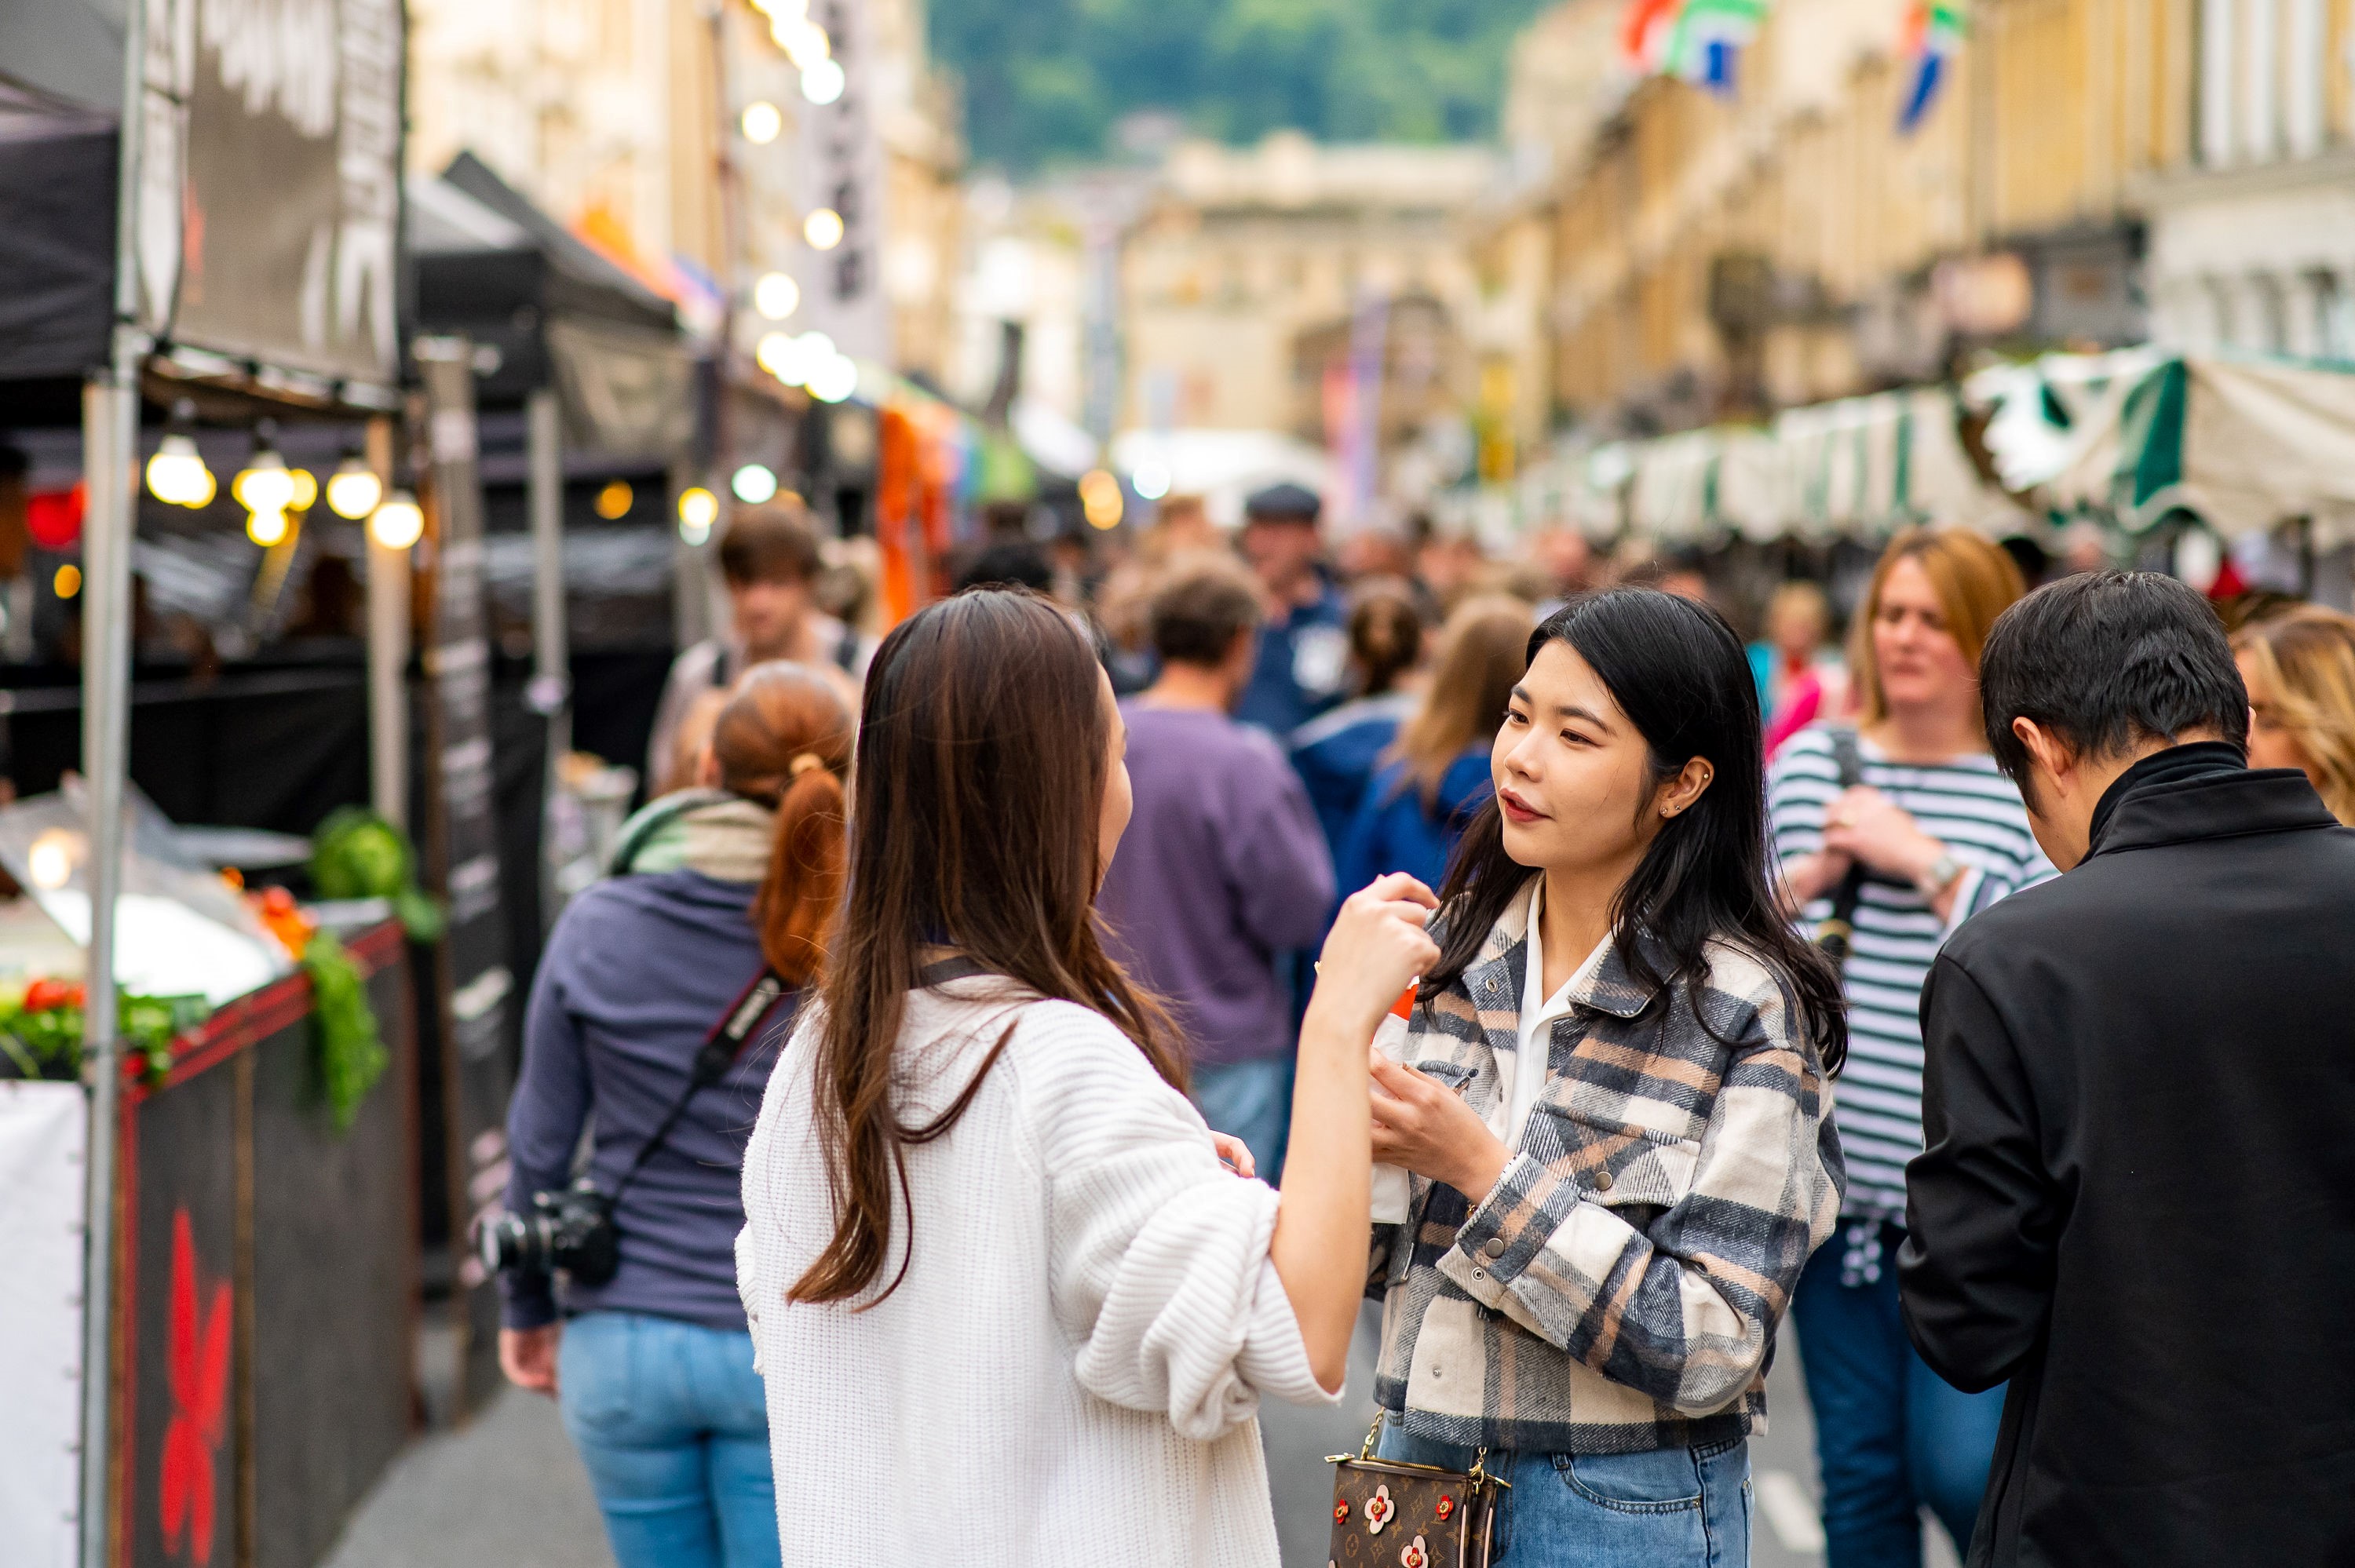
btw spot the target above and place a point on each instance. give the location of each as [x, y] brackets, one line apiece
[1934, 35]
[1700, 41]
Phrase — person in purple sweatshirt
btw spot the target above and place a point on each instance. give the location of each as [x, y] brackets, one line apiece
[1224, 867]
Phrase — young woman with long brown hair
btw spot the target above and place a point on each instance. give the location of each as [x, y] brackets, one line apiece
[1010, 1305]
[654, 1367]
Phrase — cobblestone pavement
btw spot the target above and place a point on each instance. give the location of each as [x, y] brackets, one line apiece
[507, 1491]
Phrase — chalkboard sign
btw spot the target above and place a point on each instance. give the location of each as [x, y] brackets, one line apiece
[463, 851]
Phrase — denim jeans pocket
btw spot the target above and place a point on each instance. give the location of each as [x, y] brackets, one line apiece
[597, 1370]
[1662, 1481]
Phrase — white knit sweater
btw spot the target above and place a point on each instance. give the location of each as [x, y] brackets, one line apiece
[1070, 1372]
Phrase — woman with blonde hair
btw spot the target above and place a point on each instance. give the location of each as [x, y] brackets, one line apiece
[1890, 835]
[2300, 670]
[653, 1364]
[1434, 777]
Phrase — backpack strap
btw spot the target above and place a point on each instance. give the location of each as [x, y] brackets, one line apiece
[1836, 934]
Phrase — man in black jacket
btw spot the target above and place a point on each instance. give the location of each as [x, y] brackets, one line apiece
[2137, 1201]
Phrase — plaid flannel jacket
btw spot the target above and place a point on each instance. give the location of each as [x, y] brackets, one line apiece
[1619, 1288]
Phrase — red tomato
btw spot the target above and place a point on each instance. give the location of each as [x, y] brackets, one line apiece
[44, 994]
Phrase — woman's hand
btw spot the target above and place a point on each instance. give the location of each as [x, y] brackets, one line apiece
[1864, 824]
[1377, 948]
[1234, 1154]
[528, 1356]
[1423, 1125]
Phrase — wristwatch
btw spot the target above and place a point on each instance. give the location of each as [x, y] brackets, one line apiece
[1940, 876]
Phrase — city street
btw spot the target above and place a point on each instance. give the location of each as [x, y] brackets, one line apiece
[507, 1492]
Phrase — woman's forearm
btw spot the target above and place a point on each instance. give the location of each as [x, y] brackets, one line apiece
[1322, 1229]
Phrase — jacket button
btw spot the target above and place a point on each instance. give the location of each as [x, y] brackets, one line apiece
[1602, 1180]
[1493, 1249]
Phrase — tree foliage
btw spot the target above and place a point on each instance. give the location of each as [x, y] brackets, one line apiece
[1048, 79]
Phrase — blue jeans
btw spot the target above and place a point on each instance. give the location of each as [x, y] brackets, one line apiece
[1669, 1508]
[673, 1425]
[1253, 1100]
[1890, 1434]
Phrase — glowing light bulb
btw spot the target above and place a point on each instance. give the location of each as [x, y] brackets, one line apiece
[823, 81]
[614, 501]
[833, 379]
[823, 229]
[353, 489]
[67, 582]
[265, 484]
[1151, 479]
[176, 473]
[753, 484]
[306, 488]
[803, 41]
[763, 122]
[50, 859]
[776, 296]
[266, 528]
[698, 509]
[1100, 499]
[399, 523]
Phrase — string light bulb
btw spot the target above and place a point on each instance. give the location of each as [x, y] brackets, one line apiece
[266, 526]
[176, 474]
[823, 229]
[698, 509]
[265, 484]
[762, 122]
[399, 523]
[823, 81]
[353, 489]
[776, 296]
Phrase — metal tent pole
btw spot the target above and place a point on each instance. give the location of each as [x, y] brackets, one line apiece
[551, 676]
[110, 454]
[110, 435]
[388, 652]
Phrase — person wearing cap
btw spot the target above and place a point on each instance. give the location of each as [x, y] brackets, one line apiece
[1304, 644]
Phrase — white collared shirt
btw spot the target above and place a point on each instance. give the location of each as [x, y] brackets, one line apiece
[1523, 1078]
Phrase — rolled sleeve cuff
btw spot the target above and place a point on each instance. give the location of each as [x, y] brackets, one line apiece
[1969, 888]
[527, 1308]
[1508, 1229]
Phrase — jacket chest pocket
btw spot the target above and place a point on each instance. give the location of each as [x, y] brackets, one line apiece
[1616, 1163]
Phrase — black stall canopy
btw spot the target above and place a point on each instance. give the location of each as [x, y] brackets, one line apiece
[546, 310]
[57, 248]
[267, 192]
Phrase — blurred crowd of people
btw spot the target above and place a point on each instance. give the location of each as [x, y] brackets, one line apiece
[1302, 717]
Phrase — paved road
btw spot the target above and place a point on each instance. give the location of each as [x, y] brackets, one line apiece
[508, 1491]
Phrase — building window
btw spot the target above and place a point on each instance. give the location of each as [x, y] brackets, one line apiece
[2222, 333]
[2272, 312]
[2333, 338]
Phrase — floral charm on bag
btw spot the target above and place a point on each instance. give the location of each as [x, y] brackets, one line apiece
[1414, 1556]
[1341, 1512]
[1379, 1509]
[1445, 1509]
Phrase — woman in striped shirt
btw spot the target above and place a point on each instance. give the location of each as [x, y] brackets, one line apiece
[1913, 805]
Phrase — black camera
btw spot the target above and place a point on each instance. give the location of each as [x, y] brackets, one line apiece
[572, 1230]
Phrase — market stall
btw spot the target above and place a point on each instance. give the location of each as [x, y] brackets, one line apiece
[239, 1306]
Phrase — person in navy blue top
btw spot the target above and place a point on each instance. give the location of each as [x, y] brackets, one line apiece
[653, 1369]
[1336, 753]
[1303, 651]
[1435, 776]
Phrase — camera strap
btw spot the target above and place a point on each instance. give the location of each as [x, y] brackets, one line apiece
[721, 1046]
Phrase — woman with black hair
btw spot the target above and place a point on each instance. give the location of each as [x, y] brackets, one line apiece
[1607, 1118]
